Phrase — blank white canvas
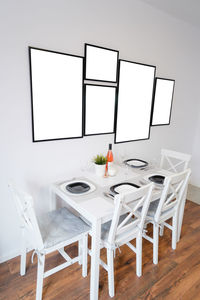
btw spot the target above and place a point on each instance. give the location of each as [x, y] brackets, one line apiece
[100, 109]
[57, 95]
[162, 101]
[134, 101]
[101, 64]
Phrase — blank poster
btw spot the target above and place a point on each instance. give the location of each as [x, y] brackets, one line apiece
[134, 101]
[163, 101]
[101, 63]
[57, 96]
[99, 109]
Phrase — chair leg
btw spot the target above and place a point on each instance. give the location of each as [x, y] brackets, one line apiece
[84, 255]
[155, 243]
[174, 232]
[162, 230]
[80, 251]
[110, 263]
[23, 261]
[40, 276]
[23, 255]
[139, 256]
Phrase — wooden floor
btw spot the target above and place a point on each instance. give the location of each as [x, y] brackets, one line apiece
[177, 275]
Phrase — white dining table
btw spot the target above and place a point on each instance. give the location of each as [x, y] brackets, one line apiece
[98, 209]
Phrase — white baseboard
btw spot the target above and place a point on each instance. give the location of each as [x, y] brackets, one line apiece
[12, 254]
[9, 256]
[193, 194]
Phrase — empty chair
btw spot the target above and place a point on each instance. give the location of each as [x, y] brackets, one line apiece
[121, 230]
[58, 229]
[167, 207]
[174, 161]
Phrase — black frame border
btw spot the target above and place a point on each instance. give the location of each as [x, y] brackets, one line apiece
[154, 93]
[85, 65]
[99, 85]
[116, 111]
[31, 90]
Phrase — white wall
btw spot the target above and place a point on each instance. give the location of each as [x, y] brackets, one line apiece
[196, 155]
[139, 32]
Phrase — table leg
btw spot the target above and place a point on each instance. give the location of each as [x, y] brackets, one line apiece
[52, 202]
[95, 256]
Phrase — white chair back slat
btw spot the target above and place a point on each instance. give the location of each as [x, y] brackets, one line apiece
[127, 227]
[131, 210]
[129, 216]
[174, 161]
[28, 220]
[173, 196]
[131, 202]
[136, 205]
[173, 192]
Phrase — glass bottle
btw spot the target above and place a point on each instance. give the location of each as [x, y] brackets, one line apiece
[110, 156]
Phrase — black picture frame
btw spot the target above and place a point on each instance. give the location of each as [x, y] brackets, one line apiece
[34, 139]
[99, 86]
[150, 99]
[154, 101]
[93, 78]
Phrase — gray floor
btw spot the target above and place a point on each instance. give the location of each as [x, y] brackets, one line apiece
[193, 194]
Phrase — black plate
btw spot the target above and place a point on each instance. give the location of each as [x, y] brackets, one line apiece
[77, 187]
[157, 179]
[112, 188]
[143, 163]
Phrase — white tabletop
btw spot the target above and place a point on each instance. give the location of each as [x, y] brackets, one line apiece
[95, 205]
[123, 174]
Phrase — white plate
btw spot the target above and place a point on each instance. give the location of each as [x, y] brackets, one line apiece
[122, 189]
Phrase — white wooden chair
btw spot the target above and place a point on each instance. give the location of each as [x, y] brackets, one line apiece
[58, 229]
[174, 161]
[121, 230]
[167, 207]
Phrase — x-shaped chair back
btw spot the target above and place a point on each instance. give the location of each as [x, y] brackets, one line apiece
[174, 161]
[129, 203]
[28, 220]
[173, 192]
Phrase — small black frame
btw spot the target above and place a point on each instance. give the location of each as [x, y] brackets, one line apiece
[116, 109]
[85, 64]
[99, 85]
[32, 100]
[153, 103]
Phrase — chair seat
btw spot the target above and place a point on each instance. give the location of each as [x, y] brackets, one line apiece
[61, 225]
[153, 207]
[105, 228]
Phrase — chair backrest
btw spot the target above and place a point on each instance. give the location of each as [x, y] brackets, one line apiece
[173, 192]
[28, 220]
[129, 202]
[174, 161]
